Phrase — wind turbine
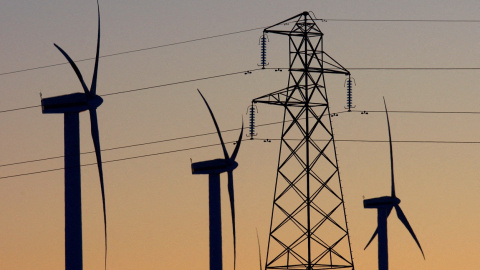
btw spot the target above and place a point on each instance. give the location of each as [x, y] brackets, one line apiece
[384, 206]
[70, 106]
[214, 168]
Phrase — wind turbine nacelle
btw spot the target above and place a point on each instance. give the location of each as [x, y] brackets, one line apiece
[215, 166]
[76, 102]
[386, 201]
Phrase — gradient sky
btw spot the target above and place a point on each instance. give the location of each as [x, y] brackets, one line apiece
[156, 209]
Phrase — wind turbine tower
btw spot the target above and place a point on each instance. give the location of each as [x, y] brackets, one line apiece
[308, 228]
[384, 206]
[70, 106]
[214, 168]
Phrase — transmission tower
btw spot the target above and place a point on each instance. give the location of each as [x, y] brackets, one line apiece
[308, 227]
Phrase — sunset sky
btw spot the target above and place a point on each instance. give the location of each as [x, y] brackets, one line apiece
[157, 210]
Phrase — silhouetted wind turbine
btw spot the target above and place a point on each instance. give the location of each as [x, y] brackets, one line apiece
[70, 106]
[214, 168]
[384, 206]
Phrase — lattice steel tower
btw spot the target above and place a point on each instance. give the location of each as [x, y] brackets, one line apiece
[308, 226]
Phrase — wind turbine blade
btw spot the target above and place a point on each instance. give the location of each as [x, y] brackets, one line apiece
[75, 68]
[376, 230]
[404, 220]
[391, 148]
[216, 126]
[237, 146]
[259, 251]
[371, 239]
[93, 87]
[96, 144]
[232, 208]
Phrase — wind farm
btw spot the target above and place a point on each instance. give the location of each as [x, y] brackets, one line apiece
[153, 58]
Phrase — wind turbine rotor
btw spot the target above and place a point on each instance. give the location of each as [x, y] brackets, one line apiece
[231, 192]
[225, 153]
[94, 102]
[226, 165]
[389, 202]
[91, 102]
[391, 149]
[237, 145]
[75, 68]
[376, 230]
[93, 87]
[405, 222]
[98, 154]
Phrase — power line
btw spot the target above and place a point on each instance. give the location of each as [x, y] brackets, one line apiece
[22, 108]
[398, 20]
[258, 139]
[228, 34]
[118, 147]
[415, 68]
[234, 129]
[186, 81]
[402, 68]
[210, 145]
[133, 51]
[421, 112]
[114, 160]
[149, 87]
[133, 145]
[379, 141]
[245, 71]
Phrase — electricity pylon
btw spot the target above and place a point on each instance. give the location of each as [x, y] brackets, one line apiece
[308, 227]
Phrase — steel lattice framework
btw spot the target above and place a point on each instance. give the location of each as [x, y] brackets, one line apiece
[308, 226]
